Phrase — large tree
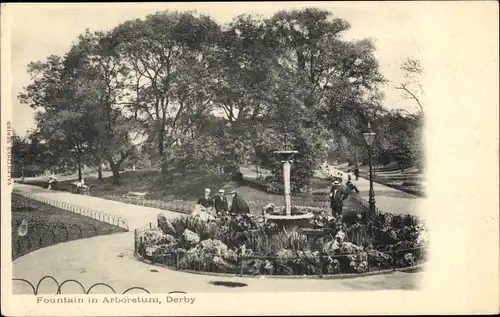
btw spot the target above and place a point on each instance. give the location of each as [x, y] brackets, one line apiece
[54, 94]
[100, 74]
[329, 82]
[166, 53]
[399, 138]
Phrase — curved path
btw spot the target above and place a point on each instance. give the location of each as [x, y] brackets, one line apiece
[387, 199]
[110, 259]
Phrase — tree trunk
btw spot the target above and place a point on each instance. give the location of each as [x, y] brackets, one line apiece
[164, 167]
[79, 170]
[99, 171]
[161, 139]
[115, 168]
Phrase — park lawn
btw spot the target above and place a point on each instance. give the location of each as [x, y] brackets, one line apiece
[48, 225]
[189, 188]
[410, 180]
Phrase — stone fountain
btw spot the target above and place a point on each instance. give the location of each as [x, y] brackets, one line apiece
[285, 217]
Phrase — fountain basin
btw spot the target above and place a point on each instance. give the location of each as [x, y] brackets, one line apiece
[290, 221]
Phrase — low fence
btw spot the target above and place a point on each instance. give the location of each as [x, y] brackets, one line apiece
[39, 233]
[58, 287]
[42, 234]
[175, 206]
[413, 190]
[303, 263]
[95, 191]
[84, 211]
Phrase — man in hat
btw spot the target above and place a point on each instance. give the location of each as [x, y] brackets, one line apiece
[206, 201]
[337, 197]
[238, 206]
[220, 203]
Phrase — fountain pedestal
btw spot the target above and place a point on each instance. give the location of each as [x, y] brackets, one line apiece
[287, 219]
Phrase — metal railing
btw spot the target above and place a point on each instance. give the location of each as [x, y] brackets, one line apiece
[175, 206]
[95, 191]
[58, 287]
[84, 211]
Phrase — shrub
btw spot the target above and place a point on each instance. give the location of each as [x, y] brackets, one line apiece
[379, 259]
[296, 241]
[155, 237]
[190, 238]
[165, 225]
[198, 226]
[209, 252]
[358, 263]
[298, 262]
[263, 243]
[257, 266]
[155, 241]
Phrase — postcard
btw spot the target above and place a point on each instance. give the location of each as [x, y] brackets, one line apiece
[239, 158]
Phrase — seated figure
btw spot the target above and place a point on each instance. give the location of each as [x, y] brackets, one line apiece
[51, 182]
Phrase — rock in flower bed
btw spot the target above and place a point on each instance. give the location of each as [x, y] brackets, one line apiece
[248, 244]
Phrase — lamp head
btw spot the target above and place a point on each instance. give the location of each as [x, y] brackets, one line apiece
[369, 135]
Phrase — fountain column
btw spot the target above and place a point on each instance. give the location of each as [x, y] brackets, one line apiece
[286, 178]
[286, 181]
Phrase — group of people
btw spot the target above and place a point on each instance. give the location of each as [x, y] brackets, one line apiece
[220, 204]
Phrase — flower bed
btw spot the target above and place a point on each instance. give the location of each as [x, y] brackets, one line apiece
[248, 245]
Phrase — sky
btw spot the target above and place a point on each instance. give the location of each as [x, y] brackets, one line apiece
[39, 30]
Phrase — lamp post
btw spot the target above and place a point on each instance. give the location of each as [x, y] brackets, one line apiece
[369, 138]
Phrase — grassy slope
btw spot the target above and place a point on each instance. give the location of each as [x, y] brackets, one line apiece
[390, 175]
[190, 187]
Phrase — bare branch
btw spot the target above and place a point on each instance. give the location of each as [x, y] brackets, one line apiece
[412, 96]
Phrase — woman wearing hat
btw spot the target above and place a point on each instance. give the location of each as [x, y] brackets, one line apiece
[337, 197]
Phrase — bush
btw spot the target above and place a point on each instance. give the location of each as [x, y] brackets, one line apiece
[203, 229]
[209, 253]
[155, 236]
[379, 259]
[296, 241]
[189, 238]
[165, 225]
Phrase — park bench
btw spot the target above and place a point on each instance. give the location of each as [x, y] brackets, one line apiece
[137, 196]
[86, 189]
[83, 189]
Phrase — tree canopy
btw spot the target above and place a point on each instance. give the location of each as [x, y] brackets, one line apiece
[186, 93]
